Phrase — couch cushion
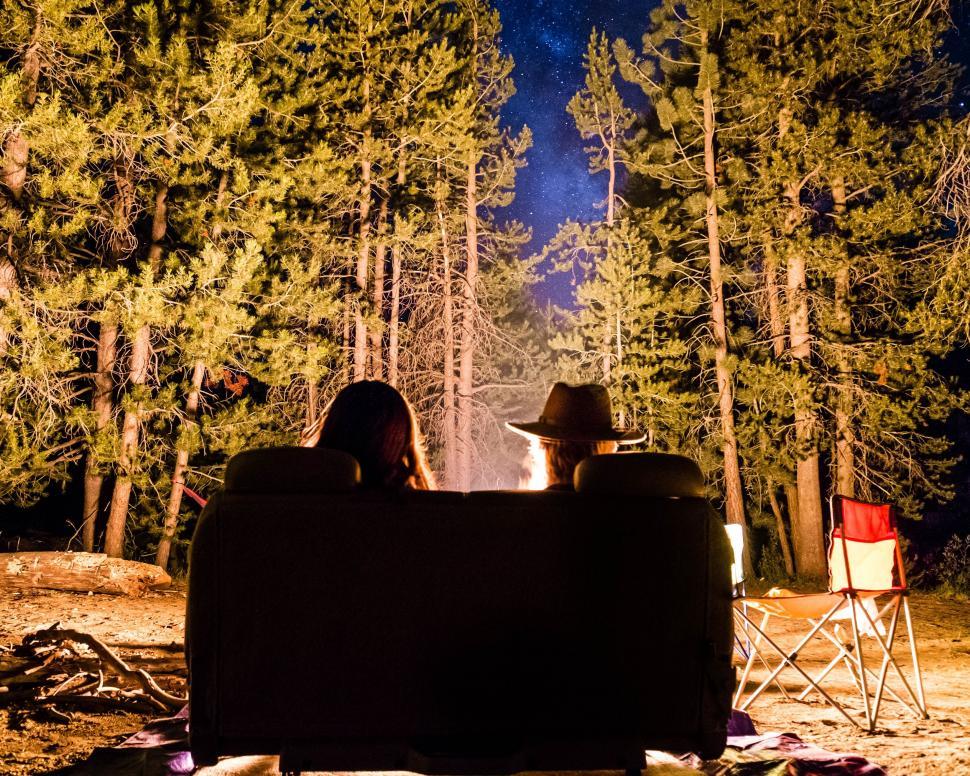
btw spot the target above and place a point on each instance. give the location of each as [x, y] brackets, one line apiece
[292, 470]
[640, 474]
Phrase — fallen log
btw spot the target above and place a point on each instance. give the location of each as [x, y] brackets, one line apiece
[80, 572]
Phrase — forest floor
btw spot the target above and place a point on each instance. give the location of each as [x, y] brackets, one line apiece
[149, 631]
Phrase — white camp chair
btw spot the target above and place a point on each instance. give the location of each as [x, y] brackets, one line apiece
[865, 564]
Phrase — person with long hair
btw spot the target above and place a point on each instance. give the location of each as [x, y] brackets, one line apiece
[374, 423]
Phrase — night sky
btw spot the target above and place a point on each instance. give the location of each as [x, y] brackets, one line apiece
[547, 39]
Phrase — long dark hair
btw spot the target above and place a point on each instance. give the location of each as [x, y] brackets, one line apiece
[374, 423]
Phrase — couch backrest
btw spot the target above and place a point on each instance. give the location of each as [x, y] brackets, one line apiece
[442, 632]
[640, 474]
[292, 470]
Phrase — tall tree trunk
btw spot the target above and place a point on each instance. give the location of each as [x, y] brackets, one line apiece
[114, 538]
[190, 419]
[807, 521]
[780, 528]
[16, 153]
[394, 325]
[776, 326]
[380, 257]
[8, 284]
[608, 333]
[469, 315]
[734, 495]
[449, 432]
[469, 318]
[345, 332]
[394, 322]
[103, 405]
[181, 467]
[312, 400]
[844, 433]
[363, 255]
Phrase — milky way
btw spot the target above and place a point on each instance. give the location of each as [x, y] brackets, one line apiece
[547, 39]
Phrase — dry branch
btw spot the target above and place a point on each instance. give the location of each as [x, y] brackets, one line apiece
[67, 668]
[141, 677]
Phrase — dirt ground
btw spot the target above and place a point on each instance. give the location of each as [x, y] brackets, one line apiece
[902, 744]
[148, 632]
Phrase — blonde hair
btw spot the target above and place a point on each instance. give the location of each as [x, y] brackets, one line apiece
[563, 456]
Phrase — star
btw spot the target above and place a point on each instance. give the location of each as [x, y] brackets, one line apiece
[547, 39]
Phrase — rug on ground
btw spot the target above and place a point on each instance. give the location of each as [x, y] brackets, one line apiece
[161, 749]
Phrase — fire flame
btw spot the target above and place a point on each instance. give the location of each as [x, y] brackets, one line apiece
[534, 465]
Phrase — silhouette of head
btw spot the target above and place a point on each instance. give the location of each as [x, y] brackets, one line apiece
[373, 422]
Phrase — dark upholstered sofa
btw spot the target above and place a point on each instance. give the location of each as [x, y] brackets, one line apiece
[489, 632]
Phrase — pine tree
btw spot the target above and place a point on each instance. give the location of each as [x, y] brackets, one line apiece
[602, 117]
[53, 98]
[490, 168]
[680, 74]
[826, 134]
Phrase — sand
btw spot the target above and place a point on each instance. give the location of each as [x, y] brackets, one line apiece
[149, 632]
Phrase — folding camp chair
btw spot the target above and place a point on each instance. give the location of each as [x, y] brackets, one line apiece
[865, 565]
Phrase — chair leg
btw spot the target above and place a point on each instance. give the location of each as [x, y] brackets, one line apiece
[788, 660]
[752, 652]
[918, 678]
[860, 660]
[881, 683]
[917, 708]
[884, 669]
[820, 676]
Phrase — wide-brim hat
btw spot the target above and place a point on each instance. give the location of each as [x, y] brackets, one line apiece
[577, 413]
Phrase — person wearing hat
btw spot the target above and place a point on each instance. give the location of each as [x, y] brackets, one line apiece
[576, 422]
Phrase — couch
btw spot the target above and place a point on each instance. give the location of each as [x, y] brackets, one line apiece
[449, 633]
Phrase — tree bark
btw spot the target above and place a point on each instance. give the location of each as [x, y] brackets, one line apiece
[103, 405]
[181, 467]
[780, 528]
[312, 400]
[844, 433]
[614, 328]
[380, 258]
[734, 494]
[114, 539]
[807, 528]
[8, 284]
[16, 153]
[363, 255]
[469, 317]
[79, 571]
[345, 332]
[776, 327]
[394, 322]
[469, 314]
[394, 325]
[449, 436]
